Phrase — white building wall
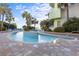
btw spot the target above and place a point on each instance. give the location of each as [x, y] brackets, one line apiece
[54, 14]
[74, 10]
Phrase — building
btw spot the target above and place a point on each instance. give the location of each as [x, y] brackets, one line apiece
[60, 14]
[55, 13]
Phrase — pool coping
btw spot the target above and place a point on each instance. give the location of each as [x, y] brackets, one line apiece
[54, 41]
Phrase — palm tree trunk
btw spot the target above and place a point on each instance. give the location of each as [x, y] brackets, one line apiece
[28, 22]
[9, 25]
[34, 25]
[66, 5]
[0, 17]
[67, 8]
[67, 12]
[2, 22]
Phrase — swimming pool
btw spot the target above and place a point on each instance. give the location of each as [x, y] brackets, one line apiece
[33, 37]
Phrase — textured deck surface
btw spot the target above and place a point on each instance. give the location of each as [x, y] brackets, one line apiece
[61, 48]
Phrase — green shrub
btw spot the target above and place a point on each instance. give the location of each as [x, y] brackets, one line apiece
[71, 25]
[59, 29]
[50, 30]
[45, 28]
[3, 29]
[45, 24]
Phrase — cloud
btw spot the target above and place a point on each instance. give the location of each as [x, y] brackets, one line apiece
[19, 23]
[38, 10]
[20, 7]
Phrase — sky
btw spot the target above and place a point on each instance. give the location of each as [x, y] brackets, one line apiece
[37, 10]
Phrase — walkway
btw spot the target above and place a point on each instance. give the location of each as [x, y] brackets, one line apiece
[61, 48]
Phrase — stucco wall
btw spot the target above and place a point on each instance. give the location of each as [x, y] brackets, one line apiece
[74, 10]
[54, 13]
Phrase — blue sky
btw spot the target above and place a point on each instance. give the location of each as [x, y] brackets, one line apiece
[37, 10]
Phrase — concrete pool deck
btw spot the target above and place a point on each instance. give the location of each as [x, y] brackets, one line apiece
[61, 48]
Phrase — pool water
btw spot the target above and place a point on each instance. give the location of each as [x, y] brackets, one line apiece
[33, 37]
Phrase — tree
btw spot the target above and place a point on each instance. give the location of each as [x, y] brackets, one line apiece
[27, 17]
[5, 26]
[66, 7]
[9, 17]
[71, 25]
[24, 27]
[45, 25]
[3, 10]
[34, 21]
[13, 26]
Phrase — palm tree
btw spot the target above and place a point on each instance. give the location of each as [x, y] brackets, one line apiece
[34, 21]
[27, 17]
[66, 7]
[45, 25]
[9, 19]
[9, 16]
[3, 11]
